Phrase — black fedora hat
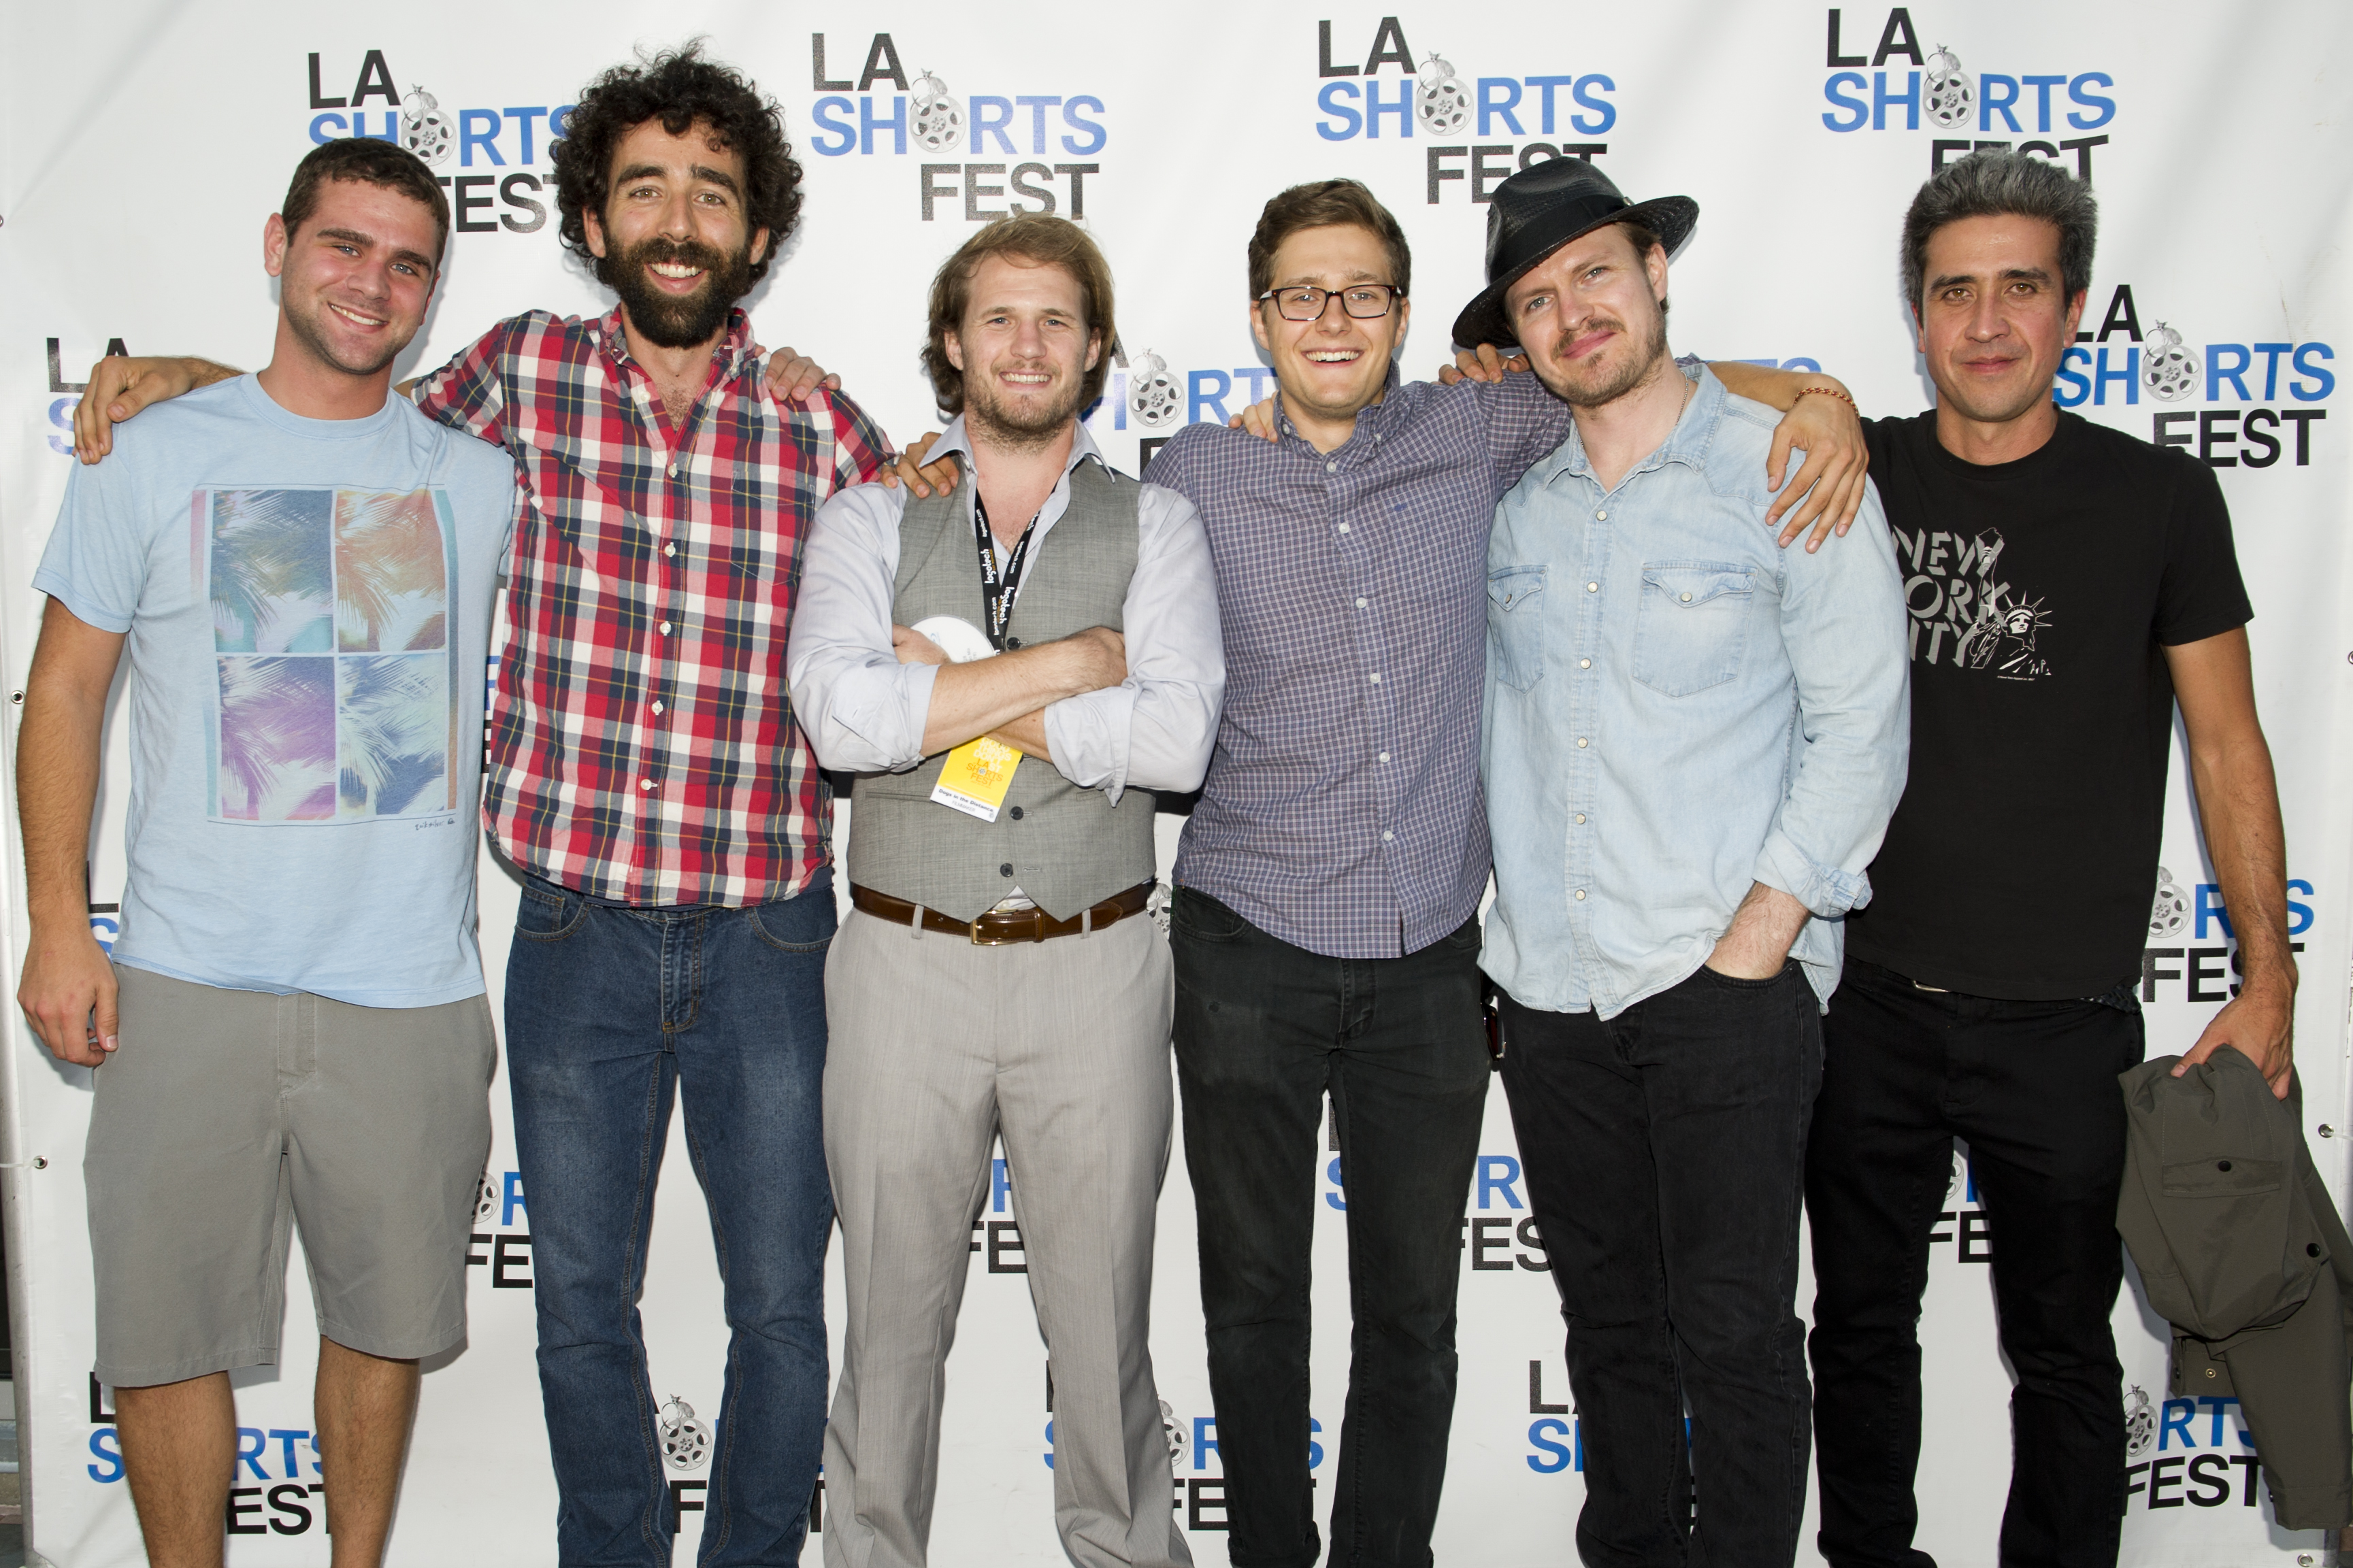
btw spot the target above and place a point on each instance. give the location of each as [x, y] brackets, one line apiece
[1542, 208]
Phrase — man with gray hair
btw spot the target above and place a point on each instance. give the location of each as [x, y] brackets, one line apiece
[2067, 585]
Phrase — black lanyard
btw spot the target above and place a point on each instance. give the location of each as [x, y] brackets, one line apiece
[998, 589]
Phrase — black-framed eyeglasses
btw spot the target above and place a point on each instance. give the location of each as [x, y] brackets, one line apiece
[1365, 301]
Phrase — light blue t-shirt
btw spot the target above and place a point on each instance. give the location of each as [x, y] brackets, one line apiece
[308, 604]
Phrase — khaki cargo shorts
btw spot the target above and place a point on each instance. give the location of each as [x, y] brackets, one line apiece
[226, 1118]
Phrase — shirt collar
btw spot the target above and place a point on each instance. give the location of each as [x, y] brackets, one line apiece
[1686, 444]
[734, 348]
[1373, 420]
[955, 438]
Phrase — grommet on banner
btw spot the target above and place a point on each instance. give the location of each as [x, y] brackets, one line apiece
[17, 697]
[37, 1162]
[2327, 1131]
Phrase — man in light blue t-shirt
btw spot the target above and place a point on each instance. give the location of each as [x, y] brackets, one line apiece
[292, 1027]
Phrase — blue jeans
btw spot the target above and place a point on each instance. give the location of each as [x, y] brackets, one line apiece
[609, 1008]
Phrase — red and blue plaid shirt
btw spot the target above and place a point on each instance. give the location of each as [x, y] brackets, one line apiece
[643, 745]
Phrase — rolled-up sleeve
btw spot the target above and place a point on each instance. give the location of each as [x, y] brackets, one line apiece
[1154, 730]
[862, 710]
[1842, 620]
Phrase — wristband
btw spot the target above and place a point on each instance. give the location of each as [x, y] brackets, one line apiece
[1829, 392]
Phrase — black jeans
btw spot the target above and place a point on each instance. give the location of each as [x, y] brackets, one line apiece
[1263, 1030]
[2031, 1086]
[1664, 1149]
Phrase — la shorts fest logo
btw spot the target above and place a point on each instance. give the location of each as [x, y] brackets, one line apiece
[1948, 91]
[976, 154]
[2262, 399]
[483, 157]
[276, 1486]
[2187, 1453]
[2193, 955]
[1553, 114]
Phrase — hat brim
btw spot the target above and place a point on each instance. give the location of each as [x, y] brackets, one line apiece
[1671, 218]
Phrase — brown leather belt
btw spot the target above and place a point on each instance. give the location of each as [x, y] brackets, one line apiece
[1000, 927]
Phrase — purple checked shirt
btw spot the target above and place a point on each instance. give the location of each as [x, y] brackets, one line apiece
[1342, 812]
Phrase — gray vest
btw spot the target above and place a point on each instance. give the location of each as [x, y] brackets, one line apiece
[1065, 847]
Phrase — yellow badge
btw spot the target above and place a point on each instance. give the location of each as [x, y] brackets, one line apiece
[976, 776]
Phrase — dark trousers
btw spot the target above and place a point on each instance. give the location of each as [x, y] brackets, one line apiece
[2031, 1086]
[1264, 1031]
[1663, 1150]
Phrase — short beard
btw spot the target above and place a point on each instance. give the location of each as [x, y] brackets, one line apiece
[670, 320]
[988, 419]
[1633, 374]
[306, 330]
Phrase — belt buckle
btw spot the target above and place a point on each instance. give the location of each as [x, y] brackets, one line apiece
[1008, 939]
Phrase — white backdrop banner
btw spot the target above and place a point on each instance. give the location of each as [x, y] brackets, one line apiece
[143, 145]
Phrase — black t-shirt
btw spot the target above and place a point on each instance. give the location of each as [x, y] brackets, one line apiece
[2022, 859]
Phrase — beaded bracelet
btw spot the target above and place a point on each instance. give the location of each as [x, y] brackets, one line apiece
[1831, 392]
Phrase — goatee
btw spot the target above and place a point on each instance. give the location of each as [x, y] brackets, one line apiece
[678, 320]
[1606, 388]
[1014, 428]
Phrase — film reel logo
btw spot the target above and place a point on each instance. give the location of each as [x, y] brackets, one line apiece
[2168, 368]
[1440, 101]
[1949, 96]
[685, 1437]
[424, 128]
[2140, 1421]
[2170, 913]
[1153, 395]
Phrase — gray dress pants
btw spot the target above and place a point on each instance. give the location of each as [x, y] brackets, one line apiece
[935, 1046]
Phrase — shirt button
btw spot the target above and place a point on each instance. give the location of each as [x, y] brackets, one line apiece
[670, 550]
[1686, 598]
[1581, 895]
[1377, 678]
[645, 784]
[1016, 814]
[1006, 869]
[1598, 517]
[1386, 836]
[1344, 528]
[657, 707]
[1585, 664]
[1385, 756]
[1360, 604]
[673, 471]
[1580, 820]
[1331, 468]
[1593, 587]
[1580, 743]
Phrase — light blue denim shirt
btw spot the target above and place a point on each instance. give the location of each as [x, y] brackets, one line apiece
[1677, 708]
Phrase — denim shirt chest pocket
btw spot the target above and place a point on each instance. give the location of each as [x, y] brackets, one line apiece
[1691, 626]
[1515, 623]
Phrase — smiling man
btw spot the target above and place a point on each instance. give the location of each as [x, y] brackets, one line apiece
[292, 1027]
[1692, 742]
[1325, 924]
[2068, 584]
[1010, 669]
